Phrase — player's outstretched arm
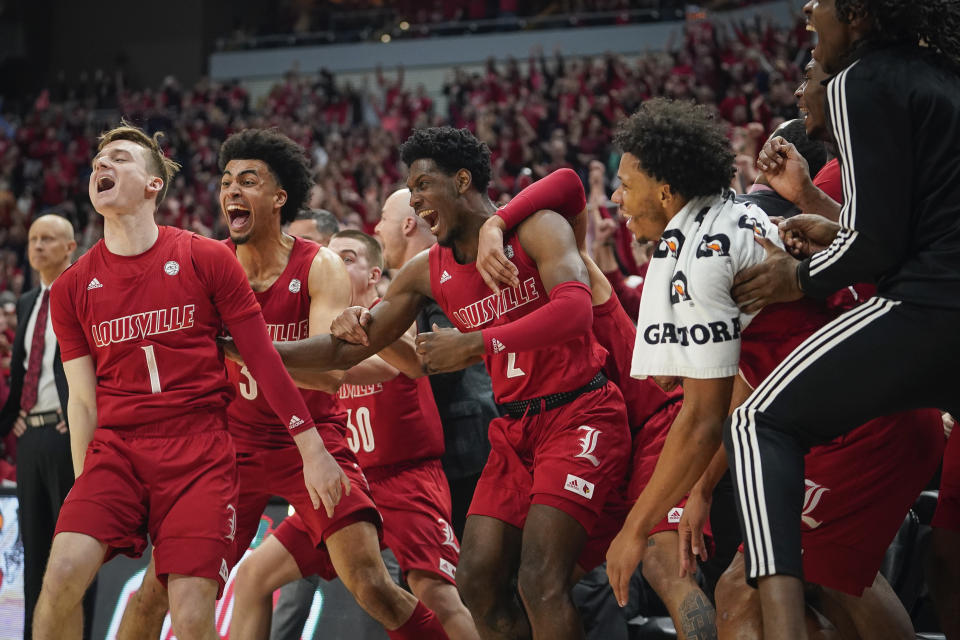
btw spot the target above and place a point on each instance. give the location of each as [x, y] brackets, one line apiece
[81, 407]
[407, 293]
[691, 443]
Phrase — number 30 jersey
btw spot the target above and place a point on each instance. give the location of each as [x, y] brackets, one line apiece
[471, 306]
[286, 310]
[149, 322]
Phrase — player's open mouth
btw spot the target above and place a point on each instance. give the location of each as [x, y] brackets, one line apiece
[105, 183]
[432, 218]
[239, 215]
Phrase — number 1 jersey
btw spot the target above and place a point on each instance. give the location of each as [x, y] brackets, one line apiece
[150, 323]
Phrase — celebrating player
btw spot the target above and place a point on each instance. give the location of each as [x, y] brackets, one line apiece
[300, 287]
[562, 450]
[892, 105]
[137, 317]
[395, 432]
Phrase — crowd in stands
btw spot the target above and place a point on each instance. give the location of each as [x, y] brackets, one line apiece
[536, 115]
[302, 22]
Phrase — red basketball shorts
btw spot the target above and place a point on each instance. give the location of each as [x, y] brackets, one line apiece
[181, 490]
[858, 490]
[279, 472]
[414, 501]
[647, 445]
[573, 458]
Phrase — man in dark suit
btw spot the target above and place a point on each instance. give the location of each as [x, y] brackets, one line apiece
[36, 411]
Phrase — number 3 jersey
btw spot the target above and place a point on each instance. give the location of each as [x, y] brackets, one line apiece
[471, 306]
[149, 322]
[286, 309]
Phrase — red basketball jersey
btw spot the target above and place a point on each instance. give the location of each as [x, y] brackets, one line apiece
[471, 306]
[286, 309]
[150, 324]
[393, 422]
[616, 333]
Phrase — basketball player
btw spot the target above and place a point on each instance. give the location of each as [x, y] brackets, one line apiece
[136, 318]
[895, 67]
[300, 287]
[562, 450]
[394, 430]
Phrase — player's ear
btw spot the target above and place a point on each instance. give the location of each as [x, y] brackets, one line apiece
[280, 197]
[155, 185]
[375, 274]
[463, 180]
[409, 225]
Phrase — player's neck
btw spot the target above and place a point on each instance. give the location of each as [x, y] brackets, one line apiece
[266, 256]
[367, 298]
[415, 245]
[130, 234]
[465, 246]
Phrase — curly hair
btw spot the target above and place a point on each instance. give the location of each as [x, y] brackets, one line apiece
[285, 158]
[451, 149]
[936, 23]
[679, 143]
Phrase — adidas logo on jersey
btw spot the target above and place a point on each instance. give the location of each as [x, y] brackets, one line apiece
[224, 570]
[448, 568]
[445, 276]
[94, 284]
[579, 486]
[294, 422]
[497, 346]
[673, 517]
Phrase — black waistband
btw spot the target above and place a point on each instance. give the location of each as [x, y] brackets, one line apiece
[520, 408]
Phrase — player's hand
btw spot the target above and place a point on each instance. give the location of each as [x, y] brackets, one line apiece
[19, 425]
[492, 263]
[623, 557]
[773, 280]
[807, 234]
[667, 383]
[325, 480]
[351, 325]
[61, 426]
[230, 349]
[948, 424]
[696, 512]
[785, 169]
[445, 349]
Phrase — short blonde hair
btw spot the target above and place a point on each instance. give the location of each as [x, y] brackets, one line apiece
[157, 163]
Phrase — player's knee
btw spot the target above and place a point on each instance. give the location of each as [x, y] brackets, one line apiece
[371, 586]
[541, 589]
[439, 596]
[61, 575]
[733, 599]
[252, 579]
[660, 567]
[477, 583]
[192, 621]
[150, 600]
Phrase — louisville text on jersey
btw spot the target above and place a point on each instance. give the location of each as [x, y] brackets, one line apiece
[140, 325]
[669, 333]
[289, 332]
[497, 304]
[347, 391]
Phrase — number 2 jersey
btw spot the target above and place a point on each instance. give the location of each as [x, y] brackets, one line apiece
[471, 306]
[150, 323]
[286, 309]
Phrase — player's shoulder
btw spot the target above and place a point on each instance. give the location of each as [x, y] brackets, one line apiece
[204, 248]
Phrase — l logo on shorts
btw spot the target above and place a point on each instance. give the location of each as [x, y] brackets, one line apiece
[232, 521]
[811, 498]
[448, 538]
[588, 443]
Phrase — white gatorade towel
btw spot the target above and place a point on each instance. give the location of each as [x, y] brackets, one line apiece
[689, 325]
